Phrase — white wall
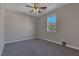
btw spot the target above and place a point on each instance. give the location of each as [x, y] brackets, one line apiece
[2, 29]
[19, 26]
[67, 25]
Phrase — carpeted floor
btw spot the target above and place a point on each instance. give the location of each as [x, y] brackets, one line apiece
[37, 47]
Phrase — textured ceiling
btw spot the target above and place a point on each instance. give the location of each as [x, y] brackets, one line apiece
[20, 7]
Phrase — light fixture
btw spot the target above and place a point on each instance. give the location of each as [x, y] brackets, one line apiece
[36, 7]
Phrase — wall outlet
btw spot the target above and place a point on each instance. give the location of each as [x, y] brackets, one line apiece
[63, 43]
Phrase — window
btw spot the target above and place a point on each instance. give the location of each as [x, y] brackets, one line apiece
[51, 23]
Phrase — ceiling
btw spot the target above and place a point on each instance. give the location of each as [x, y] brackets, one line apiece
[20, 7]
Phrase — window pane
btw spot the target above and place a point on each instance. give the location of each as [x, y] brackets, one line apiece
[51, 24]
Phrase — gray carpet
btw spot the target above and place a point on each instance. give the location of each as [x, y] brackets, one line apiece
[37, 47]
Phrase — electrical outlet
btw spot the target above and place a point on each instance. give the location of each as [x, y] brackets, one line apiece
[63, 43]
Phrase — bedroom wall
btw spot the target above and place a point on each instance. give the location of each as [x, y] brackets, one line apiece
[2, 27]
[19, 26]
[67, 25]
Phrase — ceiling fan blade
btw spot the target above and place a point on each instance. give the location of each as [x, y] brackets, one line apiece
[28, 6]
[39, 11]
[43, 7]
[31, 11]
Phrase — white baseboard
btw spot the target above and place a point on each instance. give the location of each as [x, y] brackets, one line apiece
[1, 48]
[73, 47]
[20, 40]
[70, 46]
[50, 40]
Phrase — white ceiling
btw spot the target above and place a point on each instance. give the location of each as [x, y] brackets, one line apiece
[20, 7]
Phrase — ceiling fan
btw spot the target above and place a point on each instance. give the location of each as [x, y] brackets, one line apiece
[36, 7]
